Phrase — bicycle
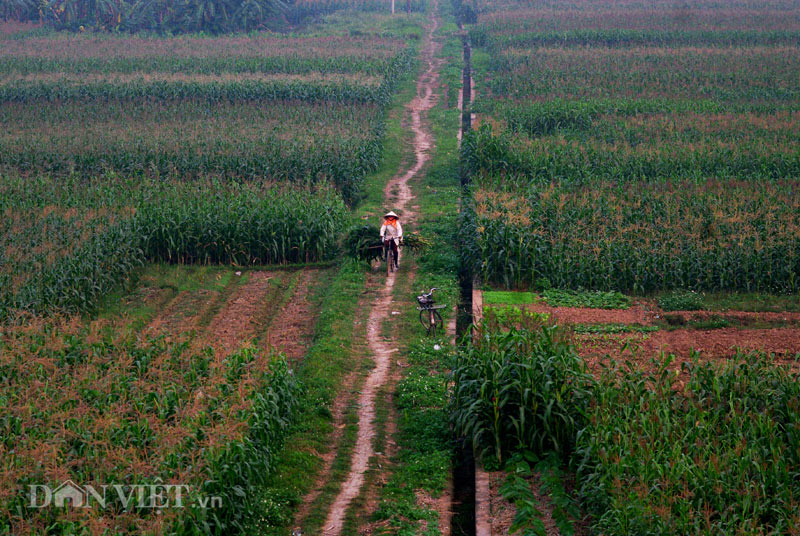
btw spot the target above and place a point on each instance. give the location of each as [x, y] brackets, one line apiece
[389, 253]
[429, 315]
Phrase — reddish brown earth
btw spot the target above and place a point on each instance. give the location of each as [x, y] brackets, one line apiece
[184, 312]
[721, 343]
[779, 333]
[637, 314]
[292, 330]
[236, 323]
[502, 512]
[259, 310]
[783, 344]
[648, 313]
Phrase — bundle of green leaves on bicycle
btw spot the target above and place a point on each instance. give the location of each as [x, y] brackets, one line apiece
[367, 243]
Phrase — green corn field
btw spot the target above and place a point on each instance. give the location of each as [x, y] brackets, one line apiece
[78, 396]
[520, 386]
[640, 237]
[632, 153]
[720, 457]
[193, 291]
[304, 110]
[67, 245]
[652, 149]
[705, 448]
[118, 150]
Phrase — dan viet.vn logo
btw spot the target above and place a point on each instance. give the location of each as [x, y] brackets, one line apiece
[153, 496]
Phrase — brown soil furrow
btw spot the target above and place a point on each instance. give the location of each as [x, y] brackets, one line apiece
[637, 314]
[711, 344]
[398, 193]
[718, 343]
[502, 512]
[183, 312]
[647, 313]
[292, 330]
[236, 322]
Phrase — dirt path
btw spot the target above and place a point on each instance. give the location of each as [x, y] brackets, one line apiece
[397, 194]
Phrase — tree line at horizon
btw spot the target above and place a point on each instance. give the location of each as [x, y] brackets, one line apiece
[164, 16]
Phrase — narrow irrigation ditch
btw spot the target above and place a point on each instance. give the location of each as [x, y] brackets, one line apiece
[464, 519]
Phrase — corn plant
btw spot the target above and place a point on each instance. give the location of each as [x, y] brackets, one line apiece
[69, 244]
[89, 388]
[242, 227]
[520, 387]
[641, 237]
[584, 160]
[720, 457]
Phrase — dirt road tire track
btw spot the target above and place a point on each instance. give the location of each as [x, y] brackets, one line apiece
[398, 193]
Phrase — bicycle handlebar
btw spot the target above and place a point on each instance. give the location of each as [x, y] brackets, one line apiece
[428, 294]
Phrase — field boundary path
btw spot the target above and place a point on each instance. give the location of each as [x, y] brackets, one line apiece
[397, 193]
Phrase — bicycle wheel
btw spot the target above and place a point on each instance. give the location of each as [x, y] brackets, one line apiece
[389, 261]
[425, 320]
[436, 323]
[431, 320]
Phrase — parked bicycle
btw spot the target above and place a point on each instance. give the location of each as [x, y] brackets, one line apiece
[429, 315]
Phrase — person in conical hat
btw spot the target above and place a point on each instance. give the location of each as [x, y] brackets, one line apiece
[392, 233]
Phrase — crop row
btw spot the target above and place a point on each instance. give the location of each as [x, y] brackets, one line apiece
[66, 250]
[116, 49]
[613, 25]
[95, 405]
[292, 64]
[39, 92]
[186, 57]
[623, 6]
[634, 38]
[311, 160]
[640, 236]
[590, 117]
[582, 161]
[584, 23]
[732, 75]
[720, 456]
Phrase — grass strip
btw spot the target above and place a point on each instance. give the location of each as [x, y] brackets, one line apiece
[321, 375]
